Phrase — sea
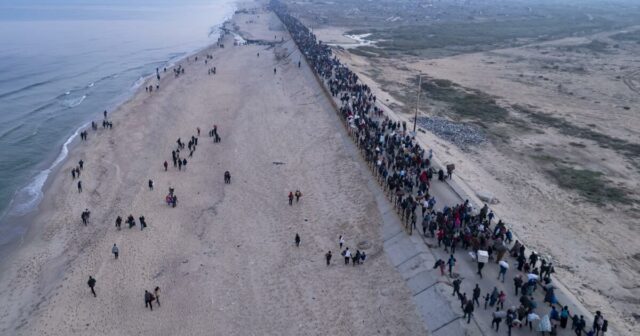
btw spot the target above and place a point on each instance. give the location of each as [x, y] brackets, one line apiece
[63, 62]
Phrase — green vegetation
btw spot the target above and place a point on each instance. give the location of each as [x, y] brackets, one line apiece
[630, 150]
[594, 46]
[465, 103]
[478, 36]
[589, 184]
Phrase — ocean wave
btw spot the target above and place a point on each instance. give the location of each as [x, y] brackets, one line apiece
[28, 198]
[138, 83]
[71, 103]
[91, 84]
[27, 87]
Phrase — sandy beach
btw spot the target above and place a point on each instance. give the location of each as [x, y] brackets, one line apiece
[224, 258]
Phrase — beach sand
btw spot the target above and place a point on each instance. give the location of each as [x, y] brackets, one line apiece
[224, 258]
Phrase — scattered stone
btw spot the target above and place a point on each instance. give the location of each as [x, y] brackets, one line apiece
[460, 134]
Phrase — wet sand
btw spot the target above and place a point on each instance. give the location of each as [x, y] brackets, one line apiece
[224, 258]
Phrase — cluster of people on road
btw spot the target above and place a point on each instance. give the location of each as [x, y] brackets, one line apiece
[406, 172]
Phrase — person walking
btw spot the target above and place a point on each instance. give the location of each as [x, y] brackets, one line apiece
[290, 198]
[451, 262]
[498, 315]
[150, 184]
[504, 266]
[502, 297]
[148, 299]
[468, 311]
[297, 240]
[494, 297]
[327, 257]
[115, 251]
[143, 223]
[564, 317]
[476, 295]
[166, 165]
[598, 323]
[580, 326]
[92, 285]
[456, 286]
[298, 194]
[517, 282]
[118, 223]
[341, 241]
[156, 292]
[79, 186]
[480, 266]
[347, 255]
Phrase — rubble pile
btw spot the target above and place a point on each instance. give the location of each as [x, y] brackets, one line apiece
[460, 134]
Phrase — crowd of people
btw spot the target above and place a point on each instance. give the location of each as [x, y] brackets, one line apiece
[178, 162]
[405, 170]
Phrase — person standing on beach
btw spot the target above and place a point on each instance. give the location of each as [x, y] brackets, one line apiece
[81, 164]
[105, 114]
[85, 216]
[290, 198]
[328, 258]
[297, 240]
[115, 251]
[92, 284]
[79, 186]
[118, 222]
[131, 221]
[148, 298]
[298, 195]
[150, 184]
[347, 255]
[73, 173]
[341, 241]
[156, 292]
[165, 165]
[227, 177]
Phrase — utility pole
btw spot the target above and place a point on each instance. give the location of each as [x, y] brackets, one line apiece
[415, 118]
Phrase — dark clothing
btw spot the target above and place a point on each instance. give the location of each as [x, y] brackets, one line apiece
[92, 284]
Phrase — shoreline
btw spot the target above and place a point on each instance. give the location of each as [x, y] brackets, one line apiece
[51, 167]
[216, 263]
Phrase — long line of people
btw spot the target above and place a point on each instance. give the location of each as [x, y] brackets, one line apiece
[405, 170]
